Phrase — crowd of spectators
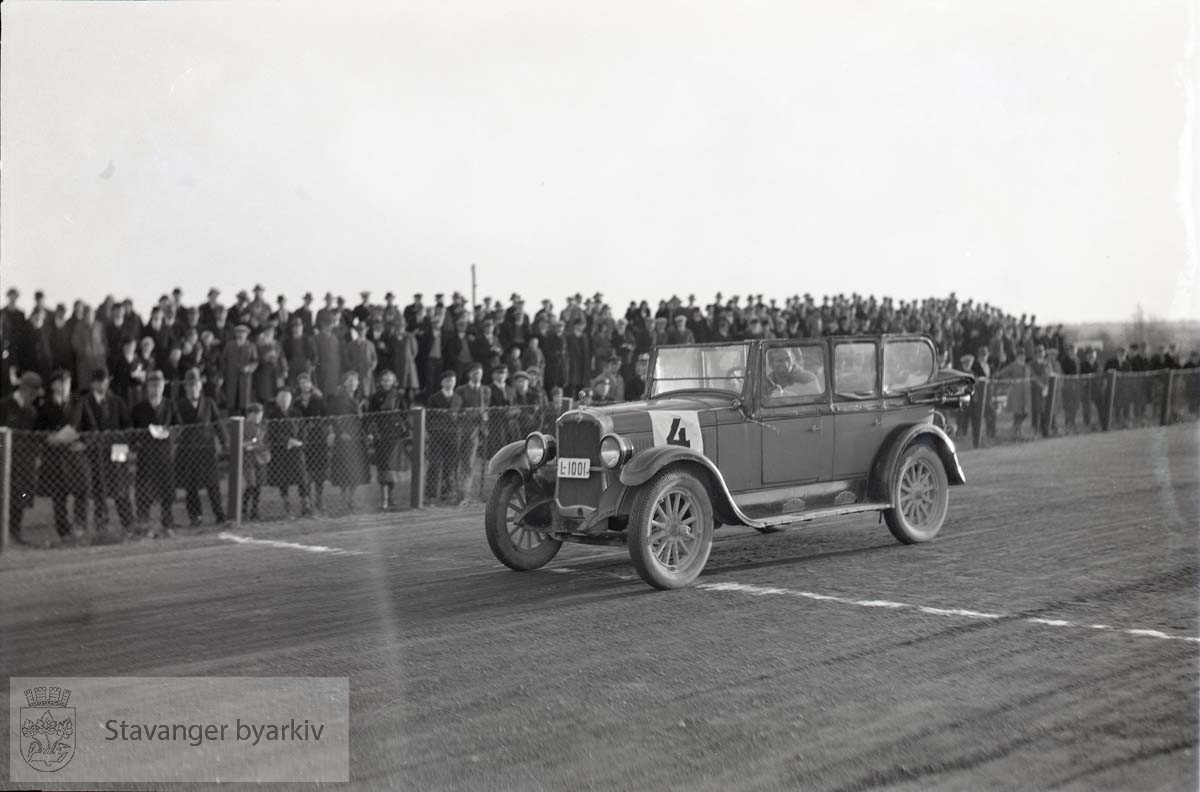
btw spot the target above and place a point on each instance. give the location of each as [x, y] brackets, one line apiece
[112, 367]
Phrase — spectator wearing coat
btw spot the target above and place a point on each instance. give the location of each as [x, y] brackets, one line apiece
[329, 358]
[348, 461]
[1014, 378]
[387, 424]
[238, 361]
[286, 434]
[444, 477]
[106, 415]
[256, 456]
[18, 411]
[311, 405]
[200, 435]
[579, 357]
[61, 475]
[361, 359]
[157, 419]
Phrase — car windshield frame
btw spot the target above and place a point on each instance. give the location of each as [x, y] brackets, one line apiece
[702, 380]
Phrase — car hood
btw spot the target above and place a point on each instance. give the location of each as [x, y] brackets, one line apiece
[630, 417]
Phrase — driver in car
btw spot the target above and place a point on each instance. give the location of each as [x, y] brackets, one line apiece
[787, 377]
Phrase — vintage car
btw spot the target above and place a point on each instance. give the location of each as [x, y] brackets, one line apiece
[764, 433]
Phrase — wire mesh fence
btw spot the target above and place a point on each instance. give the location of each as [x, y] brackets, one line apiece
[461, 441]
[101, 486]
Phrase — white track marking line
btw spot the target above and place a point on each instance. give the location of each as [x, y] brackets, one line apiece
[766, 591]
[246, 540]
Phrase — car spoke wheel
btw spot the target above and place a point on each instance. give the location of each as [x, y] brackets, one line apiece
[670, 529]
[920, 496]
[518, 544]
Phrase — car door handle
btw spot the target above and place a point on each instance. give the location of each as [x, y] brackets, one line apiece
[815, 427]
[877, 422]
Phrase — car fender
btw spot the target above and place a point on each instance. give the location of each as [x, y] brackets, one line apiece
[510, 457]
[884, 470]
[646, 464]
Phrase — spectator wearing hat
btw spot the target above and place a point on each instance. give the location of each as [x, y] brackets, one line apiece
[1092, 388]
[157, 417]
[299, 351]
[18, 411]
[239, 312]
[1039, 387]
[207, 315]
[259, 310]
[311, 405]
[611, 371]
[286, 437]
[281, 317]
[527, 403]
[635, 389]
[107, 415]
[386, 424]
[41, 353]
[305, 314]
[473, 400]
[88, 342]
[237, 363]
[61, 474]
[413, 309]
[256, 456]
[601, 391]
[348, 462]
[329, 357]
[201, 433]
[361, 359]
[578, 357]
[361, 313]
[328, 311]
[58, 331]
[442, 482]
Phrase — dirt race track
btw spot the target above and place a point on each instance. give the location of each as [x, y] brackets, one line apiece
[1047, 639]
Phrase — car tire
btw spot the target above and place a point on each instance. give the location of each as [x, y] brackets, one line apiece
[515, 546]
[921, 494]
[670, 529]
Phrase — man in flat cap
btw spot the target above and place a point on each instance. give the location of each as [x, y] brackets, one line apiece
[362, 312]
[238, 361]
[201, 432]
[19, 413]
[156, 417]
[107, 415]
[259, 309]
[207, 315]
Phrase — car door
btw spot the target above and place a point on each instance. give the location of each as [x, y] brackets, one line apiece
[795, 417]
[857, 407]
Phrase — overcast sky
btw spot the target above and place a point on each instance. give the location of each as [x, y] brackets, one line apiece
[1034, 155]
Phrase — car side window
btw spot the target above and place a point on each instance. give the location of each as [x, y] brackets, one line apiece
[854, 370]
[906, 364]
[793, 375]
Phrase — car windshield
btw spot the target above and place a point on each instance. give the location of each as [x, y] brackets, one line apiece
[699, 368]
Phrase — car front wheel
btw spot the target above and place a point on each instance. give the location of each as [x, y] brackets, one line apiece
[921, 496]
[670, 529]
[518, 546]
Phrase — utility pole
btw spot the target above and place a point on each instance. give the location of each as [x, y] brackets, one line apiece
[473, 303]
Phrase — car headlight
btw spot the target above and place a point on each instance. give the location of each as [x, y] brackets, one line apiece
[614, 451]
[539, 449]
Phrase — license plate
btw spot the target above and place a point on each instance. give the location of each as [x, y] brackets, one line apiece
[573, 467]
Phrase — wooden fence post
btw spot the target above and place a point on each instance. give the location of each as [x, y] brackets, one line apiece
[237, 436]
[416, 423]
[1110, 401]
[1165, 417]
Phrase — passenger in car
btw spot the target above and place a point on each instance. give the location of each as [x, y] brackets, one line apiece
[788, 377]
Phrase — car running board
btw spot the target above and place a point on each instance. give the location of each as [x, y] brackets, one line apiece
[780, 520]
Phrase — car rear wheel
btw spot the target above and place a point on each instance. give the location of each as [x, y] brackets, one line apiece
[670, 529]
[518, 546]
[921, 495]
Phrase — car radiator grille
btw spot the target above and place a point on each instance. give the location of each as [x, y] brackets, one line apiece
[580, 439]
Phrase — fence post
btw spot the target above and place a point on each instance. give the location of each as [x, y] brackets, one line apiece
[979, 407]
[6, 437]
[237, 436]
[1110, 401]
[1050, 405]
[416, 423]
[1166, 397]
